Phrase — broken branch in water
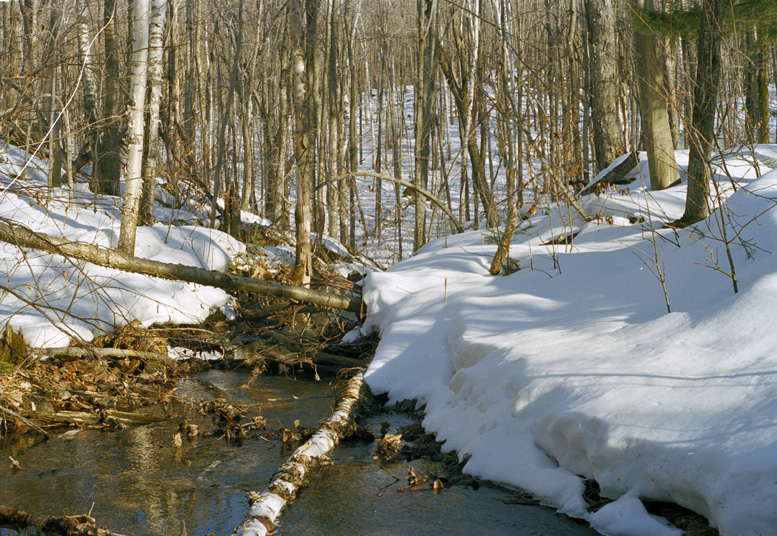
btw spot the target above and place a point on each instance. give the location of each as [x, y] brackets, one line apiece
[25, 421]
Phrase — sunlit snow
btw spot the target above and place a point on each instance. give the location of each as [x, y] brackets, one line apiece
[572, 368]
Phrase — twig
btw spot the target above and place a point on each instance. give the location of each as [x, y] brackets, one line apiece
[25, 421]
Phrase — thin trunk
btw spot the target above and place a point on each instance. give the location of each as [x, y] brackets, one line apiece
[303, 77]
[134, 181]
[88, 84]
[427, 11]
[151, 146]
[107, 168]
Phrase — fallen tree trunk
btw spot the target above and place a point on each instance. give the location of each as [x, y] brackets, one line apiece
[267, 506]
[79, 418]
[116, 353]
[20, 235]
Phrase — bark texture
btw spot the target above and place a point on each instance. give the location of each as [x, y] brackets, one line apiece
[607, 128]
[705, 94]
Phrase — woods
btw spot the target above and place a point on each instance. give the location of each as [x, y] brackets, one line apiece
[583, 192]
[255, 105]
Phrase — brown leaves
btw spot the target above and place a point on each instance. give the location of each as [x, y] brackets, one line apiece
[390, 445]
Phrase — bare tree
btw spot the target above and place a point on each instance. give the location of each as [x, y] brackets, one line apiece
[607, 130]
[705, 95]
[656, 131]
[133, 183]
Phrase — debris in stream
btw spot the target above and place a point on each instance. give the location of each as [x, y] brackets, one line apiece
[15, 465]
[390, 445]
[78, 525]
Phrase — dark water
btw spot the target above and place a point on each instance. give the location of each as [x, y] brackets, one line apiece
[357, 496]
[133, 482]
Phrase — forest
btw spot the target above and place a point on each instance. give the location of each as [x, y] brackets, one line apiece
[265, 107]
[543, 229]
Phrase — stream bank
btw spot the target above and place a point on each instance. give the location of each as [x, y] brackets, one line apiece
[155, 445]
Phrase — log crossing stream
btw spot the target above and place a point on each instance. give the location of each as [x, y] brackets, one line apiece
[136, 482]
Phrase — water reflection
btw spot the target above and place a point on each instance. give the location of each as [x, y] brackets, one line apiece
[133, 483]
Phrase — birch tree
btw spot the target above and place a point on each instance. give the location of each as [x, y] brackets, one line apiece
[151, 145]
[133, 183]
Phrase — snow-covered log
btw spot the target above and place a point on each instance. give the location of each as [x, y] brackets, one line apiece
[22, 236]
[267, 505]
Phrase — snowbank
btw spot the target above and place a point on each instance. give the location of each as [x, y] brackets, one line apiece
[54, 299]
[573, 368]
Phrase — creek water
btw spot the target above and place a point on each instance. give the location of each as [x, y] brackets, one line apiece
[134, 482]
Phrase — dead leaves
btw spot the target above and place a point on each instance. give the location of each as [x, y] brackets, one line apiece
[390, 445]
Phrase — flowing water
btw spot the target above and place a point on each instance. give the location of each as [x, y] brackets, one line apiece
[134, 482]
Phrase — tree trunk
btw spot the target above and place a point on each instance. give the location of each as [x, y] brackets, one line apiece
[111, 258]
[85, 58]
[50, 58]
[656, 130]
[607, 128]
[286, 483]
[427, 11]
[105, 179]
[134, 181]
[756, 92]
[705, 95]
[151, 146]
[304, 112]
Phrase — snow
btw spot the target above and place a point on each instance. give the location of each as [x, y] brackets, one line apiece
[55, 300]
[572, 368]
[578, 366]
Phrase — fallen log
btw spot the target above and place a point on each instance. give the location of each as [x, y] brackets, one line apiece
[267, 506]
[78, 418]
[76, 351]
[22, 236]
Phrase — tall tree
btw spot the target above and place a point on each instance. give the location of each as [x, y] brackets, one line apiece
[705, 94]
[151, 144]
[656, 130]
[134, 180]
[427, 11]
[303, 76]
[603, 58]
[107, 167]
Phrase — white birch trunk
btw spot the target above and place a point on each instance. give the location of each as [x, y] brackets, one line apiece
[134, 180]
[155, 52]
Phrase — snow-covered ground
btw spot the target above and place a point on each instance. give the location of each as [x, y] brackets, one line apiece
[572, 368]
[55, 300]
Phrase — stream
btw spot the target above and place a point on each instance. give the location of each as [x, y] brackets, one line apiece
[135, 482]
